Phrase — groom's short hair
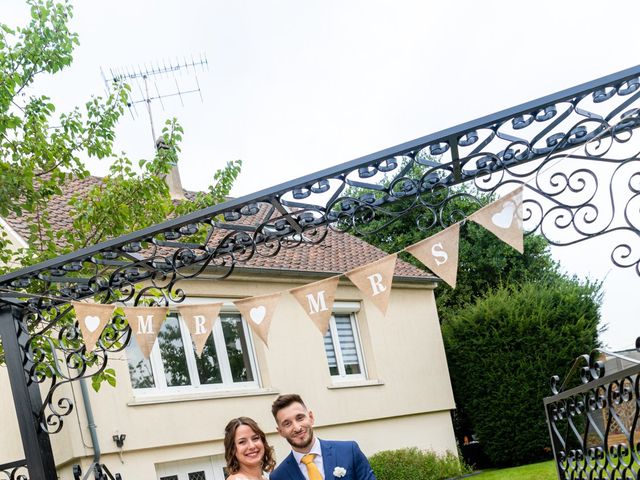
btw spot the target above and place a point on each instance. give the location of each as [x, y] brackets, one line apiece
[283, 401]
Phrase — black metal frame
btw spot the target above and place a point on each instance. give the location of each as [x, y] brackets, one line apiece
[594, 426]
[558, 146]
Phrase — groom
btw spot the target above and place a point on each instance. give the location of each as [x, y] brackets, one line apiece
[312, 458]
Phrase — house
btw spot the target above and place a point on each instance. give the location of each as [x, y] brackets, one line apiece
[379, 379]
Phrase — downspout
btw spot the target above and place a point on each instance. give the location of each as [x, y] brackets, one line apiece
[90, 421]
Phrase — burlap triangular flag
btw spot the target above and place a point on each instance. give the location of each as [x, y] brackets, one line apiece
[439, 253]
[92, 318]
[200, 320]
[145, 323]
[258, 312]
[317, 299]
[374, 280]
[503, 218]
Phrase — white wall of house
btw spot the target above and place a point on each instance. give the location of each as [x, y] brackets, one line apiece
[403, 400]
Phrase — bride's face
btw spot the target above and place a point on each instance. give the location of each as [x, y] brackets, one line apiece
[249, 447]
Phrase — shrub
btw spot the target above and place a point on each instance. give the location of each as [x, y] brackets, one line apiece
[502, 352]
[415, 464]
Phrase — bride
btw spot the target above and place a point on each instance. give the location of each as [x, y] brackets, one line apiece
[246, 450]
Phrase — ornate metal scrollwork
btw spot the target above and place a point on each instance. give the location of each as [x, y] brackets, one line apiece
[14, 471]
[574, 151]
[594, 425]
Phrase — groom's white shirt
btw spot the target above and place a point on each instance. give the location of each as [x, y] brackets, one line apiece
[317, 459]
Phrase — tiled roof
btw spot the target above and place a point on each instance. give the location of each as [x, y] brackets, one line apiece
[337, 253]
[58, 208]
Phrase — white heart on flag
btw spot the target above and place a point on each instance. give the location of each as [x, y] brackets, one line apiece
[504, 218]
[257, 314]
[92, 323]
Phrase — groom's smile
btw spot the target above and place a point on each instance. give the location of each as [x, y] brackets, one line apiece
[295, 424]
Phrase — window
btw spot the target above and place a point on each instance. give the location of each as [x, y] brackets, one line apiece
[342, 346]
[211, 468]
[227, 361]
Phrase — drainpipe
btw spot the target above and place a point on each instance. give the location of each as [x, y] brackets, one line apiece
[90, 421]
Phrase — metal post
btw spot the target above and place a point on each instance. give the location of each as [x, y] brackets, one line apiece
[26, 397]
[553, 442]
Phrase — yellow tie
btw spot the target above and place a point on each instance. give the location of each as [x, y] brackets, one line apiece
[312, 468]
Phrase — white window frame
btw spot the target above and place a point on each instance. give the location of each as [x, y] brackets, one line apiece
[351, 309]
[157, 366]
[212, 467]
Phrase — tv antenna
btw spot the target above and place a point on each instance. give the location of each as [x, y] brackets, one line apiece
[162, 78]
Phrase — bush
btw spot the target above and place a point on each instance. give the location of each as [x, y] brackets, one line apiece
[415, 464]
[502, 352]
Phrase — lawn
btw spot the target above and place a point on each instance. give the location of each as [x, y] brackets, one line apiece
[535, 471]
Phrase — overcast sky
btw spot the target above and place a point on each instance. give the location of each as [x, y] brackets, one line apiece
[293, 87]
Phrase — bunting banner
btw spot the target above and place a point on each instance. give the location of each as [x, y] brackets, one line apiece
[503, 218]
[200, 320]
[374, 280]
[258, 312]
[145, 323]
[439, 253]
[317, 299]
[92, 318]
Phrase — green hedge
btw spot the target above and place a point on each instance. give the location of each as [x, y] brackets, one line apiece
[415, 464]
[502, 352]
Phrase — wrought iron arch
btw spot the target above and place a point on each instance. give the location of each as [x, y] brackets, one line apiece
[574, 151]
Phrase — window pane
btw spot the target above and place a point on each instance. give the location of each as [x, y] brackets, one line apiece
[208, 365]
[236, 341]
[331, 354]
[172, 352]
[139, 367]
[347, 344]
[170, 477]
[197, 475]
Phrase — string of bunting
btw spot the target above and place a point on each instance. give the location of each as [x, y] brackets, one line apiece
[439, 253]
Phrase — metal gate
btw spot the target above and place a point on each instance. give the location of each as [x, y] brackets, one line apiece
[569, 150]
[594, 425]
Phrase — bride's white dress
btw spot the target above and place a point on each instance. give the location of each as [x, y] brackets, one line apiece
[247, 478]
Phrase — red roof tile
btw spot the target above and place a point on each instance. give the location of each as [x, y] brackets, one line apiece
[337, 253]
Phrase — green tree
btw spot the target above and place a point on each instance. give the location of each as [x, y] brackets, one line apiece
[502, 351]
[41, 150]
[491, 271]
[485, 262]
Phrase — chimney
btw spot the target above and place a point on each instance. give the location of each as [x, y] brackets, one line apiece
[173, 178]
[174, 183]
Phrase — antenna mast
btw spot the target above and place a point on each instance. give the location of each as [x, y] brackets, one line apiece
[163, 77]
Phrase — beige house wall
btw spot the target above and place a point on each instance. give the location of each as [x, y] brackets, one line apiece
[15, 240]
[404, 402]
[427, 431]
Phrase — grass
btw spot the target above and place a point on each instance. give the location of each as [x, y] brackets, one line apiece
[535, 471]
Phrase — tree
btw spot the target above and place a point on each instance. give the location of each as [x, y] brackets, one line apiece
[502, 351]
[509, 313]
[41, 150]
[485, 262]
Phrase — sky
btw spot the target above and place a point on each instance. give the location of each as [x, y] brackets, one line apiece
[294, 87]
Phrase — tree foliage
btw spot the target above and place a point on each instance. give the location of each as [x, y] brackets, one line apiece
[485, 262]
[502, 351]
[512, 321]
[41, 150]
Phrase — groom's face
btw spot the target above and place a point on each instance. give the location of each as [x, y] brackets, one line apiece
[295, 424]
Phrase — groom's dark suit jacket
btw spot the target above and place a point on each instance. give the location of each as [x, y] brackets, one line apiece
[334, 454]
